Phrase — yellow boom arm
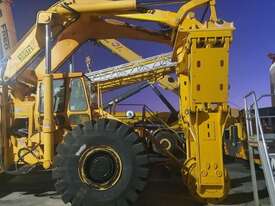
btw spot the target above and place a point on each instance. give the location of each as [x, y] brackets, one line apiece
[67, 17]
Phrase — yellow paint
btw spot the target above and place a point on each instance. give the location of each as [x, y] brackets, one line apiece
[201, 50]
[203, 80]
[48, 122]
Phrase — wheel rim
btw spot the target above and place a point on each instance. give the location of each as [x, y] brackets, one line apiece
[100, 167]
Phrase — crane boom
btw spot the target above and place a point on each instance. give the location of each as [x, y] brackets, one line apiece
[119, 49]
[7, 30]
[26, 62]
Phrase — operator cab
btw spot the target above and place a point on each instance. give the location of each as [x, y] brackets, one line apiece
[71, 100]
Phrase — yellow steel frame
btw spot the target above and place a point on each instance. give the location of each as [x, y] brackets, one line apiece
[203, 79]
[201, 51]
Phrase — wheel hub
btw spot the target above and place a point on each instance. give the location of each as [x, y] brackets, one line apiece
[166, 143]
[100, 167]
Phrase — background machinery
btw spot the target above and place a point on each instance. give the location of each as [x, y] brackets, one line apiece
[57, 120]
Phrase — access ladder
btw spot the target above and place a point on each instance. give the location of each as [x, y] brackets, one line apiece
[257, 143]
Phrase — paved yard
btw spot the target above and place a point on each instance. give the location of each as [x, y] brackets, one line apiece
[162, 190]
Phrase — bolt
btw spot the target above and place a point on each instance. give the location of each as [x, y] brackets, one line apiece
[47, 19]
[204, 173]
[218, 173]
[191, 15]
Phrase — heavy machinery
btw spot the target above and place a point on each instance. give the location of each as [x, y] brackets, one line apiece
[50, 119]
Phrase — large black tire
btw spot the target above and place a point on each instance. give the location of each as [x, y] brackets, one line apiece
[113, 134]
[5, 178]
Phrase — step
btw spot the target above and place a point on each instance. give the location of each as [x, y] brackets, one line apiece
[269, 136]
[252, 141]
[272, 155]
[272, 162]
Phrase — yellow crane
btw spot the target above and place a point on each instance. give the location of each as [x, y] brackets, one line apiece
[103, 156]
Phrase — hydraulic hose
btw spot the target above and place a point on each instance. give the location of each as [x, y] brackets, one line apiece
[141, 3]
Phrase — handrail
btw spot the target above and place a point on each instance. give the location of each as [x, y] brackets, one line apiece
[262, 147]
[249, 130]
[152, 114]
[265, 95]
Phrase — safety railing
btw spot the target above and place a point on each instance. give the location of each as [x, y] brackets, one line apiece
[257, 141]
[133, 68]
[145, 113]
[148, 117]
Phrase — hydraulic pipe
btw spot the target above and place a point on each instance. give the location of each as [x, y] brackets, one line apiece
[48, 49]
[4, 138]
[164, 100]
[158, 3]
[174, 114]
[127, 94]
[48, 123]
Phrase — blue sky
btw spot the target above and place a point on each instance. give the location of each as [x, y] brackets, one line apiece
[254, 38]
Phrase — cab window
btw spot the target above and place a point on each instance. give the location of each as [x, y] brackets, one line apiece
[58, 96]
[91, 91]
[77, 100]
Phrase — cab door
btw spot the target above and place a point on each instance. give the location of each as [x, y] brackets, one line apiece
[79, 110]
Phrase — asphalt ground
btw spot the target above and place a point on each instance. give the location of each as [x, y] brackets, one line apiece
[165, 188]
